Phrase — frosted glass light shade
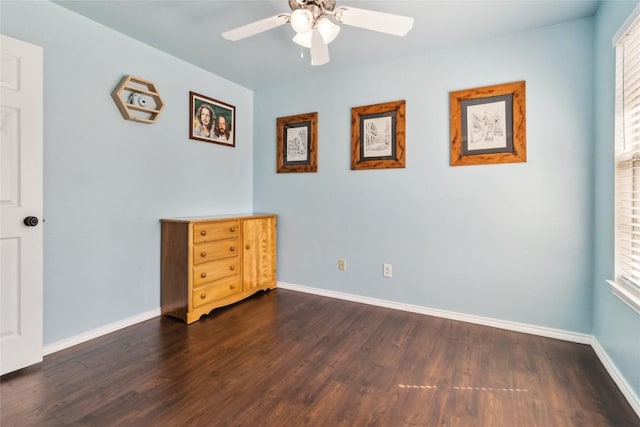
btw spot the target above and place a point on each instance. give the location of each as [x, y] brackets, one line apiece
[328, 30]
[301, 20]
[303, 39]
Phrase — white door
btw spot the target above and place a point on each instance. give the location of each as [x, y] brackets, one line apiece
[20, 198]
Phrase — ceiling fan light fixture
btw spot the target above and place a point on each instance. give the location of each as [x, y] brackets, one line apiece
[303, 39]
[328, 30]
[318, 22]
[301, 20]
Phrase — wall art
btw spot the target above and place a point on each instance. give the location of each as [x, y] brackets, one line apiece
[378, 136]
[297, 139]
[211, 120]
[488, 125]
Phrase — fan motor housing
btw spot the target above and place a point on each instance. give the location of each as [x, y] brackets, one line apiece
[310, 4]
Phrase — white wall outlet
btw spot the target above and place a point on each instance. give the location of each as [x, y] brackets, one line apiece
[342, 264]
[387, 270]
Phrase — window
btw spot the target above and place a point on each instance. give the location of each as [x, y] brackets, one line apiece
[627, 173]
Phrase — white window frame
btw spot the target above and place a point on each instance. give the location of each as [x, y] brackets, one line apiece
[626, 284]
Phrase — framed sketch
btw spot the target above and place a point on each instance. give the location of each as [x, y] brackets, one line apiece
[211, 120]
[488, 125]
[297, 139]
[378, 136]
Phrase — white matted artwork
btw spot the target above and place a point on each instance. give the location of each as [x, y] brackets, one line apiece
[377, 137]
[297, 142]
[486, 126]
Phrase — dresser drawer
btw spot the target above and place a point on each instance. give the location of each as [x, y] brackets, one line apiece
[210, 231]
[214, 270]
[216, 290]
[206, 252]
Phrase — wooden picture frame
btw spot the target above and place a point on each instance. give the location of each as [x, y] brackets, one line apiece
[211, 120]
[378, 136]
[297, 140]
[488, 125]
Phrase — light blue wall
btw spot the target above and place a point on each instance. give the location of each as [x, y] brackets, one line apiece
[510, 242]
[616, 326]
[107, 180]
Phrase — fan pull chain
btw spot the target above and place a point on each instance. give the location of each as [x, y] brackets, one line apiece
[301, 52]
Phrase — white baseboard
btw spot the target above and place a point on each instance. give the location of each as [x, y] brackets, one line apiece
[98, 332]
[622, 384]
[469, 318]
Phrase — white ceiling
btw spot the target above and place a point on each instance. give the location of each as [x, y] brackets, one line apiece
[191, 30]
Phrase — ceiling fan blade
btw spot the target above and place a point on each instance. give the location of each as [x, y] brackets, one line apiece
[256, 27]
[388, 23]
[319, 50]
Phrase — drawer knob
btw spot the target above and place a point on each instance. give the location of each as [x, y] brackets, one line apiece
[232, 286]
[203, 254]
[203, 233]
[232, 248]
[248, 247]
[203, 275]
[203, 296]
[232, 229]
[232, 267]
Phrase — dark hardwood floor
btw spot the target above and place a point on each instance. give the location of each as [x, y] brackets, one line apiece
[291, 359]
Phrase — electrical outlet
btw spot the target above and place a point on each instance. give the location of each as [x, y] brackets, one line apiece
[387, 270]
[342, 264]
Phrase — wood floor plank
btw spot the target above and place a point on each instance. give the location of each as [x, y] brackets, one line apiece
[285, 358]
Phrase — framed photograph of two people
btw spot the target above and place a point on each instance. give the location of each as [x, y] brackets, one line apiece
[211, 120]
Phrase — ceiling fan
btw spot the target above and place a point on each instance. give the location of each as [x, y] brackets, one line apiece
[316, 24]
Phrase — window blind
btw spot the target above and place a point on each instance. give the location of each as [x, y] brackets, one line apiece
[627, 173]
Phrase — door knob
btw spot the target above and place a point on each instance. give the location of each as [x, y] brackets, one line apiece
[31, 221]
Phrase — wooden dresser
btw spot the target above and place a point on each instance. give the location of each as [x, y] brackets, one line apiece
[210, 262]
